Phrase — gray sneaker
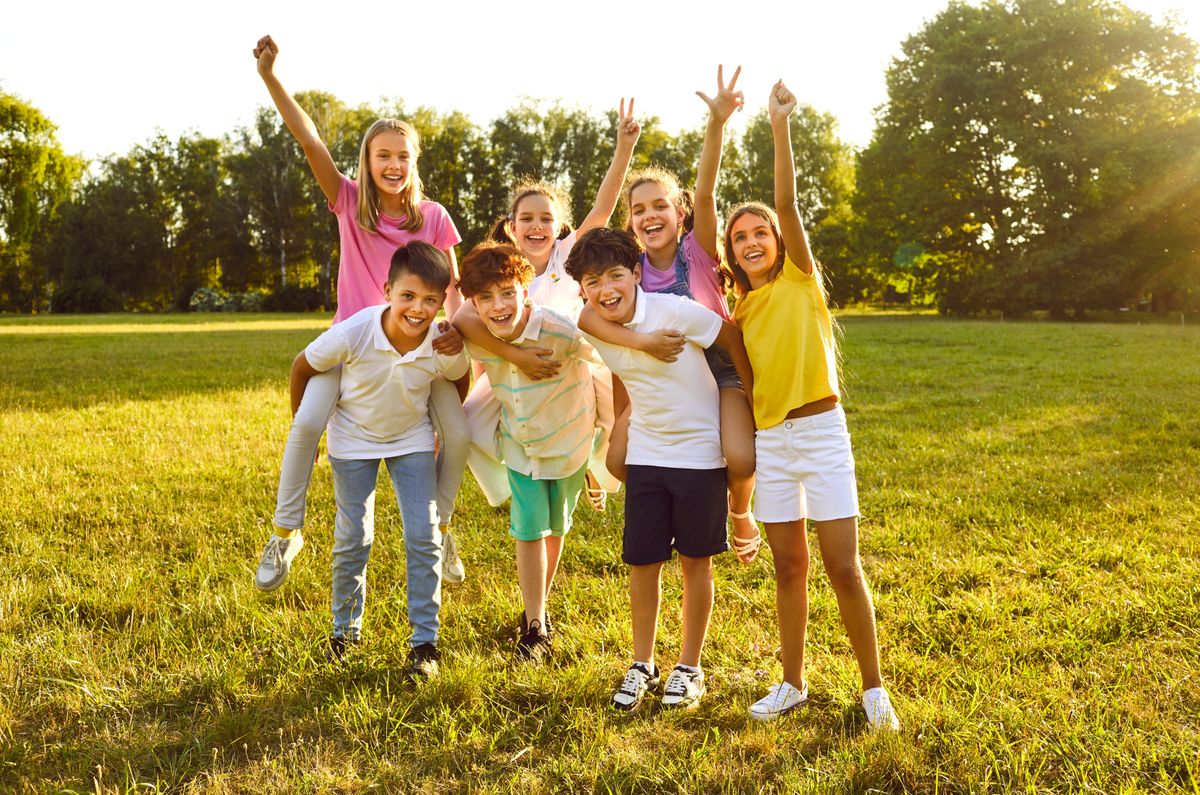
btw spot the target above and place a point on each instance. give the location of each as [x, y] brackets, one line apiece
[276, 561]
[452, 565]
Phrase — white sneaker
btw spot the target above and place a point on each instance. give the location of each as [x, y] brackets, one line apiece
[878, 706]
[276, 561]
[452, 565]
[781, 698]
[684, 689]
[638, 682]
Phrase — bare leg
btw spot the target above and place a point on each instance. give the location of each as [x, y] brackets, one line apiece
[839, 551]
[554, 548]
[531, 572]
[697, 607]
[789, 548]
[644, 596]
[737, 444]
[618, 446]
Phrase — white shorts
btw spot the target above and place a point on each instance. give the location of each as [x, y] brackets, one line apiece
[805, 469]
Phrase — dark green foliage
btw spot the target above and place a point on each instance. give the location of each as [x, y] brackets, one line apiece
[293, 298]
[1037, 154]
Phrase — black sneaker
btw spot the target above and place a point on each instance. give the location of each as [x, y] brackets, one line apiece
[638, 682]
[423, 661]
[338, 648]
[534, 644]
[523, 624]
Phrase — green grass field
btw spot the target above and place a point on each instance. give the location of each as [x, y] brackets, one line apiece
[1031, 529]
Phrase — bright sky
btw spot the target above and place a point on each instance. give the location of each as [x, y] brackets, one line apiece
[109, 74]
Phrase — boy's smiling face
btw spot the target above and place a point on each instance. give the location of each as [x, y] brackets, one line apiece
[413, 304]
[612, 291]
[501, 307]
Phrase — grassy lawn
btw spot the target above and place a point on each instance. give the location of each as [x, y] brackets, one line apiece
[1031, 529]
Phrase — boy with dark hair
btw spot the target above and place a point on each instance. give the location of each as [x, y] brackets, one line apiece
[675, 488]
[547, 427]
[388, 363]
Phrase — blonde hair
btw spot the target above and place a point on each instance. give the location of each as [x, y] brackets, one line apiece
[367, 212]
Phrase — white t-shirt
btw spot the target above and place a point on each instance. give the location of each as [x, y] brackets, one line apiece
[382, 410]
[554, 288]
[676, 419]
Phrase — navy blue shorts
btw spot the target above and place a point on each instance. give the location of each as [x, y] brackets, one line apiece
[668, 508]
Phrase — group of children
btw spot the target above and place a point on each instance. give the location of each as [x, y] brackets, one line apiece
[601, 356]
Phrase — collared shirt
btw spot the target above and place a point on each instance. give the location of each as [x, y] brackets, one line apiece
[676, 418]
[382, 410]
[547, 426]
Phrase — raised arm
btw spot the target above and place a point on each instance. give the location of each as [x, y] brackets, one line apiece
[628, 131]
[301, 126]
[720, 109]
[664, 344]
[779, 107]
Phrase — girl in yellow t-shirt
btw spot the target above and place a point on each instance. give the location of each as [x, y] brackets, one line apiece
[805, 467]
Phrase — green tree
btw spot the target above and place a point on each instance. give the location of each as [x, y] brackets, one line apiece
[36, 177]
[1015, 164]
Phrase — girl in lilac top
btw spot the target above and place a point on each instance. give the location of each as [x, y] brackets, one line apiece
[681, 256]
[377, 213]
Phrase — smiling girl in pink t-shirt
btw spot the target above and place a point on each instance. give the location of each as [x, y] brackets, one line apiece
[377, 213]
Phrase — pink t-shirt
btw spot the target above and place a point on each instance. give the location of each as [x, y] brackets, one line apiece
[702, 284]
[366, 257]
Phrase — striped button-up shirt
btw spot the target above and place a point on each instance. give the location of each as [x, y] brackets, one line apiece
[546, 427]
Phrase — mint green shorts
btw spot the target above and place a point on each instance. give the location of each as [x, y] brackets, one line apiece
[543, 508]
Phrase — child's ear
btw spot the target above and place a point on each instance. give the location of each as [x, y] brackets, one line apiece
[637, 273]
[387, 291]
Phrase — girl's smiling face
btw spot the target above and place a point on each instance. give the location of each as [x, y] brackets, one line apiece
[535, 226]
[654, 217]
[390, 155]
[755, 247]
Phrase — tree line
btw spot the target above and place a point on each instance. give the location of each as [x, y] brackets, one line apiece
[1031, 155]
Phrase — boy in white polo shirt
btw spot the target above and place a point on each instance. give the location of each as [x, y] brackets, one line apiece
[675, 487]
[547, 427]
[388, 363]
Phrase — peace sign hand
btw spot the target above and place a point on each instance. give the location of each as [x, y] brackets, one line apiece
[628, 128]
[781, 102]
[728, 100]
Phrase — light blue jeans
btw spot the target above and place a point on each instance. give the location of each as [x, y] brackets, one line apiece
[316, 407]
[415, 481]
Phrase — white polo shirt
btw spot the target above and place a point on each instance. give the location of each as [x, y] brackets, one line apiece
[676, 419]
[555, 288]
[382, 410]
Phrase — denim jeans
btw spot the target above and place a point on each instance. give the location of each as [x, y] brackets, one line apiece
[316, 407]
[414, 479]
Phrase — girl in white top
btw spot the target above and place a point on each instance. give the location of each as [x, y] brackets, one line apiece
[539, 225]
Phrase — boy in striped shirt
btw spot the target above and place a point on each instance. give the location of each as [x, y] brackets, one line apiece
[547, 427]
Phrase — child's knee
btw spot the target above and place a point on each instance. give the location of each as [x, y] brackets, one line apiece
[845, 575]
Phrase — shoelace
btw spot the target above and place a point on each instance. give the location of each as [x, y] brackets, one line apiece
[777, 695]
[677, 684]
[274, 553]
[634, 678]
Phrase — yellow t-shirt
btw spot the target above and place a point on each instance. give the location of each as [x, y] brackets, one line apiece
[789, 336]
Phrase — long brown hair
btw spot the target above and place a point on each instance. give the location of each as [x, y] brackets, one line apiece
[367, 212]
